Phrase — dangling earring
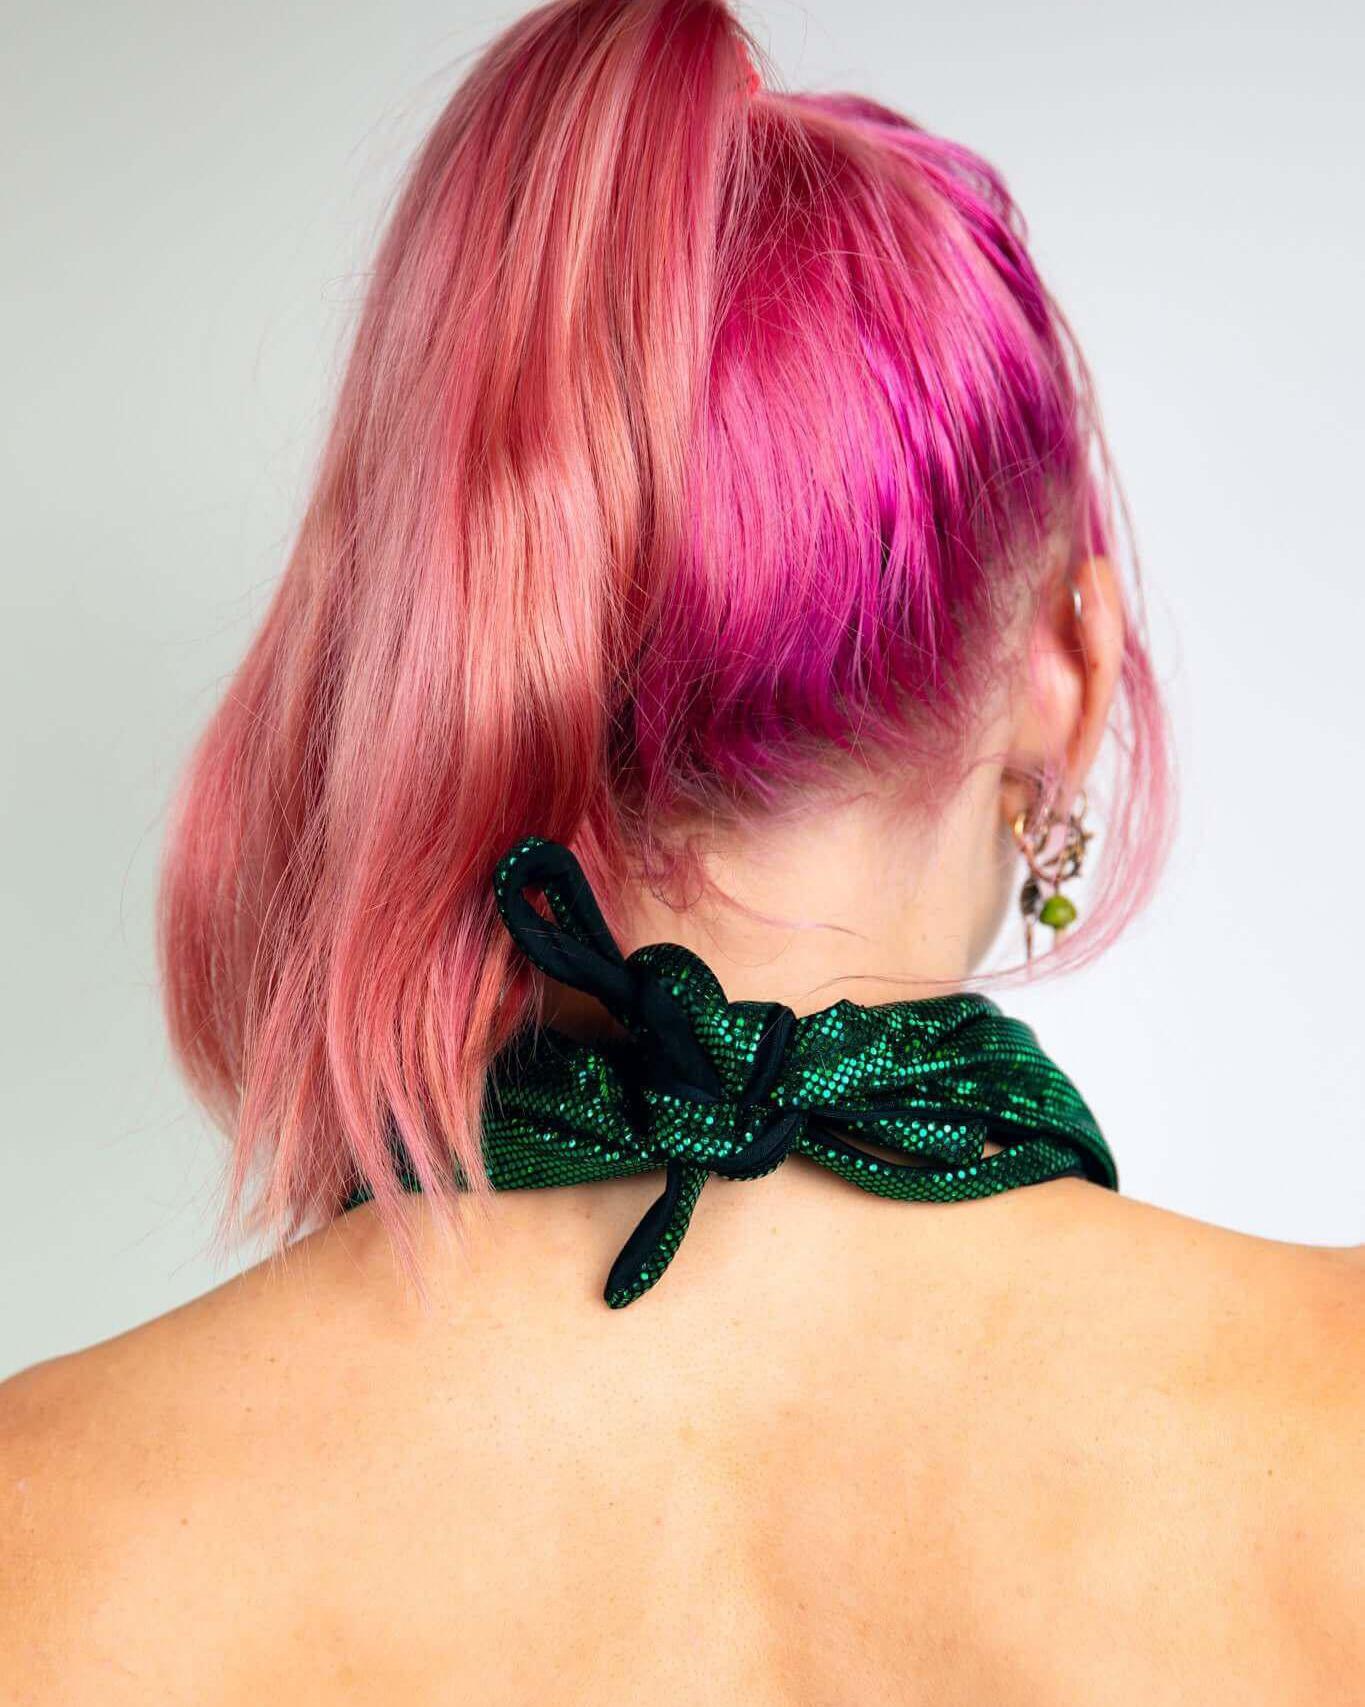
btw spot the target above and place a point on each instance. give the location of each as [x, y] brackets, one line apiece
[1051, 863]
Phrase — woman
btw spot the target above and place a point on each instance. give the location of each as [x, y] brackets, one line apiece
[713, 532]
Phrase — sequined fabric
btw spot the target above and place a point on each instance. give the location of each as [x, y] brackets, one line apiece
[704, 1086]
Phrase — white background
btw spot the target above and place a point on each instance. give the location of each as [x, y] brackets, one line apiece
[191, 198]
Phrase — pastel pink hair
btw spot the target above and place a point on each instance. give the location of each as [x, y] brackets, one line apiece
[692, 433]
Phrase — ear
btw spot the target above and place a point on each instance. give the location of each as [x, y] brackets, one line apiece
[1075, 654]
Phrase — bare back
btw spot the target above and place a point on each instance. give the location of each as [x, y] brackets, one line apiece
[1055, 1447]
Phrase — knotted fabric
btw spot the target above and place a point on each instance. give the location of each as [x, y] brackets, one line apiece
[700, 1085]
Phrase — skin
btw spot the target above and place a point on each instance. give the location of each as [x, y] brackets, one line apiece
[1053, 1447]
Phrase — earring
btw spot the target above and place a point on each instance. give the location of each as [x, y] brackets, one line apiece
[1052, 859]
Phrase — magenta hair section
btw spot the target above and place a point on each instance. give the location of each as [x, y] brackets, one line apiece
[692, 433]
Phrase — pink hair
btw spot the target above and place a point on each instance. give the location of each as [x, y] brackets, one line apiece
[692, 431]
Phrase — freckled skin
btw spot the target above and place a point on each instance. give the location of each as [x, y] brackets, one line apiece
[1053, 1447]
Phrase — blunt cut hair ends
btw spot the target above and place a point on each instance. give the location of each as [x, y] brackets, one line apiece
[693, 433]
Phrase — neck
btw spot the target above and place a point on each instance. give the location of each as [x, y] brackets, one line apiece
[861, 901]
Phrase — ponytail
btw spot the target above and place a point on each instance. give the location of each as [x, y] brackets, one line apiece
[688, 434]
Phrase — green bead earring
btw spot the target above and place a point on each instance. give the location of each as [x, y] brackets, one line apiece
[1054, 851]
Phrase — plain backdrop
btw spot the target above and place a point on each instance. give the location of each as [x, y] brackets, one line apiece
[191, 199]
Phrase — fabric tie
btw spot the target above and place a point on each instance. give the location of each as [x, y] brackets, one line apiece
[701, 1085]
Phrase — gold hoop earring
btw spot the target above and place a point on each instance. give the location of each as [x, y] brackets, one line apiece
[1052, 860]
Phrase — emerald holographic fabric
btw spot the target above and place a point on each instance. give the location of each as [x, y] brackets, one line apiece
[700, 1085]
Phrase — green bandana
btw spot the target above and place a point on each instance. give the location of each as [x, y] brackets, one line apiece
[704, 1086]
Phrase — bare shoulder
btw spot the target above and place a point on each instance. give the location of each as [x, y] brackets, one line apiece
[74, 1453]
[1270, 1327]
[1234, 1370]
[1286, 1344]
[133, 1476]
